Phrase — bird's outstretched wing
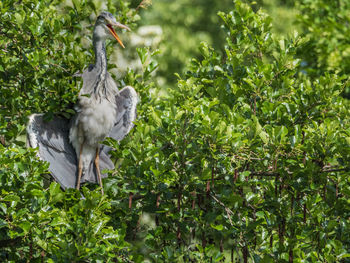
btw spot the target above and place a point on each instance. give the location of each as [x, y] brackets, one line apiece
[52, 139]
[126, 101]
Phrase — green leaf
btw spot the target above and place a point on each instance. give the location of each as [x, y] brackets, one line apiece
[76, 4]
[25, 226]
[217, 227]
[54, 189]
[143, 55]
[11, 197]
[3, 223]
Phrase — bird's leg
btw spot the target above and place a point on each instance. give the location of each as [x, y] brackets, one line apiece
[80, 166]
[97, 163]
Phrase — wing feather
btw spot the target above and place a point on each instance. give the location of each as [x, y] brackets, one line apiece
[52, 140]
[52, 137]
[126, 102]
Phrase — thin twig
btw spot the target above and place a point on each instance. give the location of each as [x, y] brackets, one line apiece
[228, 210]
[346, 169]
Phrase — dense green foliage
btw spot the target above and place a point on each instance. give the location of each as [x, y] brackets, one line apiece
[326, 24]
[246, 158]
[41, 49]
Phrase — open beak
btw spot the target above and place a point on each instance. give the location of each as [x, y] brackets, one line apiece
[114, 34]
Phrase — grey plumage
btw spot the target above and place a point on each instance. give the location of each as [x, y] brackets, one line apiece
[52, 140]
[102, 110]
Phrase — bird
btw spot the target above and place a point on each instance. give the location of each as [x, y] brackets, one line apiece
[73, 148]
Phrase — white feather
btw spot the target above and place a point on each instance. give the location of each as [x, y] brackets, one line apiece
[32, 135]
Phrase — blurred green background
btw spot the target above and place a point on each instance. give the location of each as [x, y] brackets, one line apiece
[186, 23]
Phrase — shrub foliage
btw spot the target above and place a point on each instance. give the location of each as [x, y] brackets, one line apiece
[246, 158]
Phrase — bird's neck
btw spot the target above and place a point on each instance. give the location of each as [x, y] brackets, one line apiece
[101, 67]
[100, 55]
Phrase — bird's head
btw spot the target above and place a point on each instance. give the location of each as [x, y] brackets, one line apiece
[104, 27]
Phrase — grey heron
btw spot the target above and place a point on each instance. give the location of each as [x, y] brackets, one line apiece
[72, 147]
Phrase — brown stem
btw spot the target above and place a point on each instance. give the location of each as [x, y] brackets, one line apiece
[42, 256]
[178, 235]
[282, 230]
[199, 200]
[291, 205]
[242, 195]
[336, 190]
[345, 169]
[254, 105]
[290, 255]
[30, 247]
[157, 205]
[245, 254]
[157, 201]
[279, 231]
[194, 200]
[208, 188]
[228, 210]
[130, 199]
[271, 240]
[276, 192]
[204, 240]
[212, 177]
[2, 140]
[281, 185]
[254, 219]
[179, 202]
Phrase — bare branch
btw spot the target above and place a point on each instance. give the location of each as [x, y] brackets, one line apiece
[228, 210]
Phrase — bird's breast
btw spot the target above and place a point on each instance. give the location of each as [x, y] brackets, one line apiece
[96, 118]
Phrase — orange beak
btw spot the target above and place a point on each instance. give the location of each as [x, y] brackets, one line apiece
[111, 29]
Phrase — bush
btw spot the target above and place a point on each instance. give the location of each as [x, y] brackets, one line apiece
[326, 24]
[245, 158]
[41, 48]
[247, 155]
